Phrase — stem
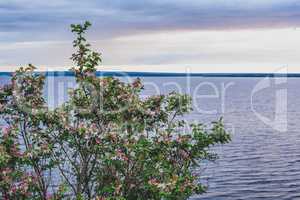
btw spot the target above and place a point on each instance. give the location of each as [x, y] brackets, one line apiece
[37, 170]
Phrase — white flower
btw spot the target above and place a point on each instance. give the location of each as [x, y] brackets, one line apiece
[162, 185]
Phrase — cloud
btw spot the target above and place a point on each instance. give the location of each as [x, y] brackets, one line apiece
[36, 20]
[198, 51]
[257, 48]
[158, 32]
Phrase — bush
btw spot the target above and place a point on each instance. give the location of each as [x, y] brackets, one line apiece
[105, 142]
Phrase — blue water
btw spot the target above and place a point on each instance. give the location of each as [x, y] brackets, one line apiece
[263, 159]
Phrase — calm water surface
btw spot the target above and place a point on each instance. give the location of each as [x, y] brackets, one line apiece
[262, 161]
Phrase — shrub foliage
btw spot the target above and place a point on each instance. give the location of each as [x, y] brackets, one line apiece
[105, 142]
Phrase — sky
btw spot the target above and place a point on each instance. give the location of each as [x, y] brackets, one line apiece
[155, 35]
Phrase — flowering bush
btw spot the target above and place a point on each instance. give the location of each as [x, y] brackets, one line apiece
[105, 142]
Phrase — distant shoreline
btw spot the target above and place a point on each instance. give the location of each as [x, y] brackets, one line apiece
[165, 74]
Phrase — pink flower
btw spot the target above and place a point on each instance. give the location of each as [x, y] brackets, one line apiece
[121, 155]
[13, 189]
[137, 83]
[49, 196]
[153, 182]
[5, 131]
[94, 126]
[15, 151]
[98, 141]
[6, 171]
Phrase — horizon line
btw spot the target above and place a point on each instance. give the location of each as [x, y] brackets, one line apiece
[166, 74]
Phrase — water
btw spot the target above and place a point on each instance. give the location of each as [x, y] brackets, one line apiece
[263, 159]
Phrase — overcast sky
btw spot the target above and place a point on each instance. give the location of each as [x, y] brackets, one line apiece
[156, 35]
